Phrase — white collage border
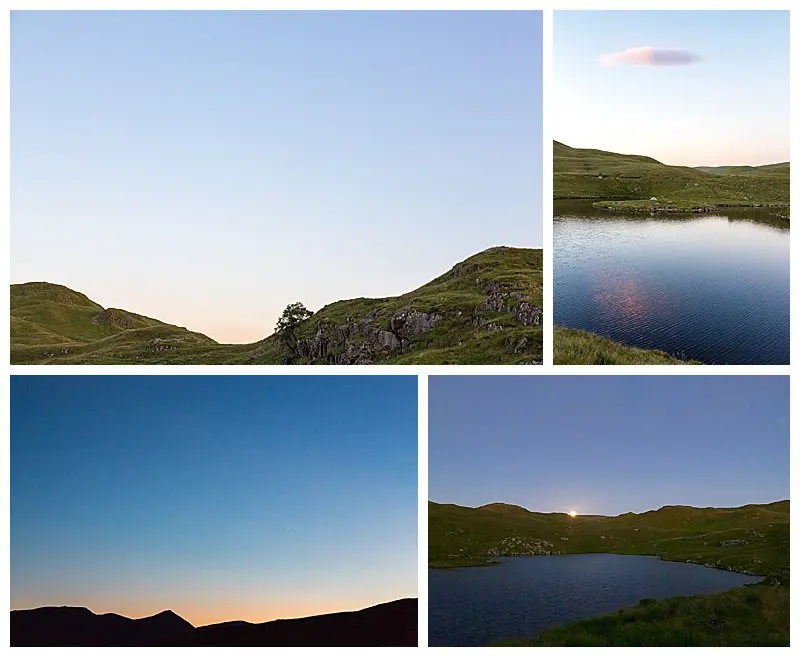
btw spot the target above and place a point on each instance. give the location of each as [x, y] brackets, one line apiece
[422, 372]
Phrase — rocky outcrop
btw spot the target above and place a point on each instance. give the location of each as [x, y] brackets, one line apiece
[114, 317]
[359, 342]
[409, 323]
[500, 301]
[381, 333]
[523, 546]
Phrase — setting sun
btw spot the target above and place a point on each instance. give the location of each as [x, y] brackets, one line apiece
[573, 514]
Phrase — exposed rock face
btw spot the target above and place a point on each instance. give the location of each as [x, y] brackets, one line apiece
[528, 314]
[358, 342]
[362, 341]
[114, 317]
[504, 307]
[523, 546]
[388, 340]
[162, 344]
[412, 322]
[499, 301]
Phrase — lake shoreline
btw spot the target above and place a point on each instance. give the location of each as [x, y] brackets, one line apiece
[669, 206]
[637, 600]
[479, 564]
[678, 207]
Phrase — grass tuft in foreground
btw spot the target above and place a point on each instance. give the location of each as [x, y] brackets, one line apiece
[575, 347]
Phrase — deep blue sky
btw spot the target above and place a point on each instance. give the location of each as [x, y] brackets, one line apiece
[731, 106]
[220, 497]
[217, 166]
[608, 444]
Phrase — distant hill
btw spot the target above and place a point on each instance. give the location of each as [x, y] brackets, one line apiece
[630, 181]
[390, 624]
[77, 626]
[751, 539]
[486, 309]
[735, 170]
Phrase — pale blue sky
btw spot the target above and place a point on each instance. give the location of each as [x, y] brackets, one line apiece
[208, 168]
[608, 444]
[729, 107]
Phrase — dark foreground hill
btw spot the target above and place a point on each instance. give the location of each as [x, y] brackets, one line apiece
[390, 624]
[485, 310]
[629, 182]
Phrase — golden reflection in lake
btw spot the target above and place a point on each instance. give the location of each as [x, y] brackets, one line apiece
[619, 293]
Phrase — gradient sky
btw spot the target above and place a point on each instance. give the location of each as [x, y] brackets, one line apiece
[209, 168]
[729, 107]
[219, 497]
[608, 445]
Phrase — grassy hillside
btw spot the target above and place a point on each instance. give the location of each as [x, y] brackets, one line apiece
[575, 347]
[780, 168]
[752, 539]
[486, 309]
[628, 182]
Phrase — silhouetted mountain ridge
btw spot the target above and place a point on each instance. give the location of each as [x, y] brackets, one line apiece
[388, 624]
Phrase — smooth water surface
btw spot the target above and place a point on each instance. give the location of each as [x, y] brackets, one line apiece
[709, 287]
[523, 596]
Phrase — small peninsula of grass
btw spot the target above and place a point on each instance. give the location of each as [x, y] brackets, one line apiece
[575, 347]
[677, 206]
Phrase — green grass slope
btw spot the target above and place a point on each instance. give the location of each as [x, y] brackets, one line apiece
[747, 616]
[780, 168]
[486, 309]
[44, 313]
[628, 182]
[752, 539]
[575, 347]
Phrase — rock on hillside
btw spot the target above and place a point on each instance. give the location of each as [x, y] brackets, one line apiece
[492, 298]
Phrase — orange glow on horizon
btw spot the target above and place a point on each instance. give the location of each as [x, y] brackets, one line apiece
[206, 614]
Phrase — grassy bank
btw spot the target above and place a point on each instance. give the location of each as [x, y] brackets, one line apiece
[575, 347]
[676, 206]
[756, 615]
[752, 539]
[630, 182]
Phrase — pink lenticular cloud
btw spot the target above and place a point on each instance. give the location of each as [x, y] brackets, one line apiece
[649, 56]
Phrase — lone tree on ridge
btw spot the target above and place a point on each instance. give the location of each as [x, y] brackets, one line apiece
[293, 315]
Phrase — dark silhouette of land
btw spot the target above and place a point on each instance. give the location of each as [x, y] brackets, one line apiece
[389, 624]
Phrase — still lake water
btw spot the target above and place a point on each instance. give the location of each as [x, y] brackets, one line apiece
[525, 595]
[709, 287]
